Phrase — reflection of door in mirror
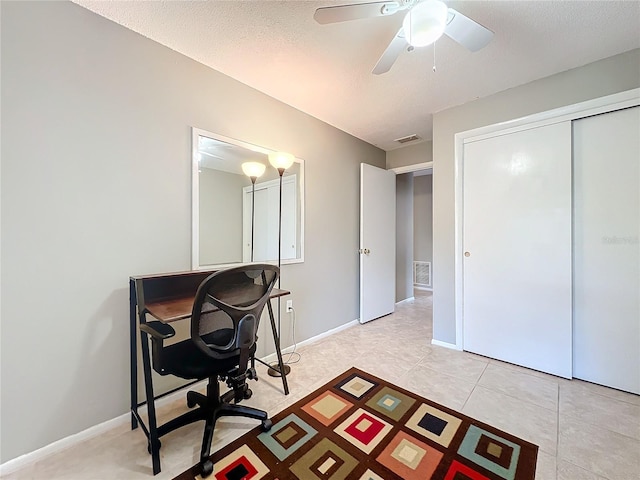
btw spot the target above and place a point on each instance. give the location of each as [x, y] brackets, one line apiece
[221, 222]
[265, 228]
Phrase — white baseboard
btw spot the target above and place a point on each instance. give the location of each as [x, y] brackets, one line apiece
[405, 300]
[64, 443]
[272, 357]
[91, 432]
[425, 289]
[438, 343]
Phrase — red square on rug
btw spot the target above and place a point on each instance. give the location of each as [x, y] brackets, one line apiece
[364, 430]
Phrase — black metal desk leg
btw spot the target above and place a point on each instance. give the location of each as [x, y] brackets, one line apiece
[133, 330]
[276, 338]
[154, 440]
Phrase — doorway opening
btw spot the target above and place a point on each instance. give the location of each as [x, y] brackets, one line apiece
[414, 231]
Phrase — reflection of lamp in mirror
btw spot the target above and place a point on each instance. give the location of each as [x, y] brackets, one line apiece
[253, 170]
[281, 161]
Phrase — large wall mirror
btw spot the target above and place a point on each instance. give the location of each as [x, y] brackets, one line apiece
[226, 216]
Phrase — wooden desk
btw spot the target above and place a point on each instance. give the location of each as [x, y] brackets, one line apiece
[172, 309]
[169, 297]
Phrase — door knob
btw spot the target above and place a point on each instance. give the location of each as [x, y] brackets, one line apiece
[467, 254]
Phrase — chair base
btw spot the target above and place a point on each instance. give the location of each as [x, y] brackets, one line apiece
[210, 408]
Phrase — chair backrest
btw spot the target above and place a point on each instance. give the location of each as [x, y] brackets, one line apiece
[227, 308]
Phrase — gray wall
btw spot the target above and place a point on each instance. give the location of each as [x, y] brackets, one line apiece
[422, 219]
[410, 155]
[96, 186]
[221, 212]
[404, 236]
[605, 77]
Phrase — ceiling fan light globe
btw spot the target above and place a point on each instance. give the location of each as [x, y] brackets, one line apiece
[425, 23]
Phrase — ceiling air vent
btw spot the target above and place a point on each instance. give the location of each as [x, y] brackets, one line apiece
[408, 138]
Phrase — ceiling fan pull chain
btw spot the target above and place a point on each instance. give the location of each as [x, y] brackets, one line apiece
[434, 56]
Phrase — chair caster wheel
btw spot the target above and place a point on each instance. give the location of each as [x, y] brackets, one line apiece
[247, 394]
[149, 446]
[266, 425]
[207, 468]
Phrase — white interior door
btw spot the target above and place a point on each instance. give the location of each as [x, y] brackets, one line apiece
[517, 244]
[377, 242]
[607, 250]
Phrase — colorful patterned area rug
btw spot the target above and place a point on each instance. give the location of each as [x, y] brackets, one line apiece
[360, 427]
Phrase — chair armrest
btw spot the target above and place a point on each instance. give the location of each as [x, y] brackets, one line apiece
[158, 330]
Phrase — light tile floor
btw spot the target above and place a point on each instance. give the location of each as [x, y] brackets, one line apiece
[584, 431]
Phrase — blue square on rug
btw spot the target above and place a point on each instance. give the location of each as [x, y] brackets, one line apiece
[490, 451]
[287, 436]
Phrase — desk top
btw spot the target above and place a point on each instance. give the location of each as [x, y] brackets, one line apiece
[165, 275]
[179, 308]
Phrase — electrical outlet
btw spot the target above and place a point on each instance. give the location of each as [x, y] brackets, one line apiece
[289, 305]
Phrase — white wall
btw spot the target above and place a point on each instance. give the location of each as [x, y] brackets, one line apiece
[611, 75]
[404, 236]
[96, 148]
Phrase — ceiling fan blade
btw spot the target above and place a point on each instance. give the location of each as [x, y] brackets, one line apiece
[390, 55]
[466, 32]
[345, 13]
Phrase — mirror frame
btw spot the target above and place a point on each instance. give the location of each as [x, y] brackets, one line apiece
[195, 198]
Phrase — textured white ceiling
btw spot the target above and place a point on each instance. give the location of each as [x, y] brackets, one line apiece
[325, 70]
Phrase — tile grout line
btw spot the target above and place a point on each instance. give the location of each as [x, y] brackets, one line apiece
[447, 374]
[467, 400]
[518, 399]
[474, 387]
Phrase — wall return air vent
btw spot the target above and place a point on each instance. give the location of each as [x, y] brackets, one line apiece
[422, 274]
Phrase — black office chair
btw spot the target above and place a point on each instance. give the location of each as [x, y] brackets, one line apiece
[224, 324]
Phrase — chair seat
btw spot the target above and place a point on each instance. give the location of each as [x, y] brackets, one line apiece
[184, 359]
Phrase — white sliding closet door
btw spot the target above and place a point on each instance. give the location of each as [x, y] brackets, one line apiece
[607, 250]
[265, 226]
[517, 244]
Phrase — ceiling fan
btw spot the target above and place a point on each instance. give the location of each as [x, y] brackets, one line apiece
[424, 22]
